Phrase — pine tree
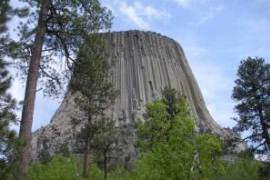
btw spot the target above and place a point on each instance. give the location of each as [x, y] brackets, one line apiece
[54, 28]
[252, 92]
[4, 11]
[7, 103]
[8, 137]
[106, 140]
[95, 94]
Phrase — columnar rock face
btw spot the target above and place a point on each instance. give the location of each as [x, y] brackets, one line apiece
[143, 64]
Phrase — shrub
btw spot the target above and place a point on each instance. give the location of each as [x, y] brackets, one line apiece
[62, 168]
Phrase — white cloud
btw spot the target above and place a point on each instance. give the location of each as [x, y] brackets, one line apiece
[17, 90]
[133, 15]
[182, 3]
[142, 14]
[207, 15]
[191, 3]
[203, 10]
[150, 11]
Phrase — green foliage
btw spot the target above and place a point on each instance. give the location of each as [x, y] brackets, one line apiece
[96, 173]
[106, 140]
[8, 137]
[94, 96]
[4, 17]
[90, 78]
[171, 149]
[169, 97]
[68, 23]
[62, 168]
[251, 91]
[106, 136]
[208, 149]
[4, 10]
[154, 130]
[264, 171]
[69, 168]
[242, 169]
[95, 93]
[44, 156]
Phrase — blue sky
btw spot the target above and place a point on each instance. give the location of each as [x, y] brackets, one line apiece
[215, 35]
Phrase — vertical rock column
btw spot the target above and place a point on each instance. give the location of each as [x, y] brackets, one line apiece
[143, 64]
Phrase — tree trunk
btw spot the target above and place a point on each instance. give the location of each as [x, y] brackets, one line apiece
[86, 161]
[30, 92]
[105, 165]
[265, 133]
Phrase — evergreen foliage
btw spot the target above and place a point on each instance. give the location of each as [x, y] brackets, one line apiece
[4, 10]
[252, 92]
[8, 137]
[107, 140]
[67, 24]
[51, 29]
[94, 95]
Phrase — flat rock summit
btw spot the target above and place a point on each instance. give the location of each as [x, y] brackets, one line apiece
[144, 63]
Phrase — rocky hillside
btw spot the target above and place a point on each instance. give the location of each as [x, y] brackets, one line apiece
[144, 63]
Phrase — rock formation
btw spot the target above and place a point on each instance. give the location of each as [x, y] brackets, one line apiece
[144, 63]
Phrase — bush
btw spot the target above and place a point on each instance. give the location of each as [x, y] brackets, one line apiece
[59, 168]
[170, 147]
[155, 165]
[62, 168]
[242, 169]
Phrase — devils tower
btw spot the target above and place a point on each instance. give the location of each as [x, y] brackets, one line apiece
[144, 63]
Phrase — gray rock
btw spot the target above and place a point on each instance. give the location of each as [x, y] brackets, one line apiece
[144, 63]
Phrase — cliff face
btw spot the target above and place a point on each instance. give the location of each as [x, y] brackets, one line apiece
[144, 63]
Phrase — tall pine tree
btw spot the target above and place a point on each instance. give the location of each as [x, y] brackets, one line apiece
[54, 29]
[94, 94]
[7, 104]
[252, 92]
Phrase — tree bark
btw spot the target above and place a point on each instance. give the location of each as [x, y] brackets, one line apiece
[86, 161]
[105, 165]
[265, 133]
[30, 92]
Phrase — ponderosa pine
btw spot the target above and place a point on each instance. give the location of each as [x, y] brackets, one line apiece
[7, 103]
[252, 92]
[54, 28]
[94, 95]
